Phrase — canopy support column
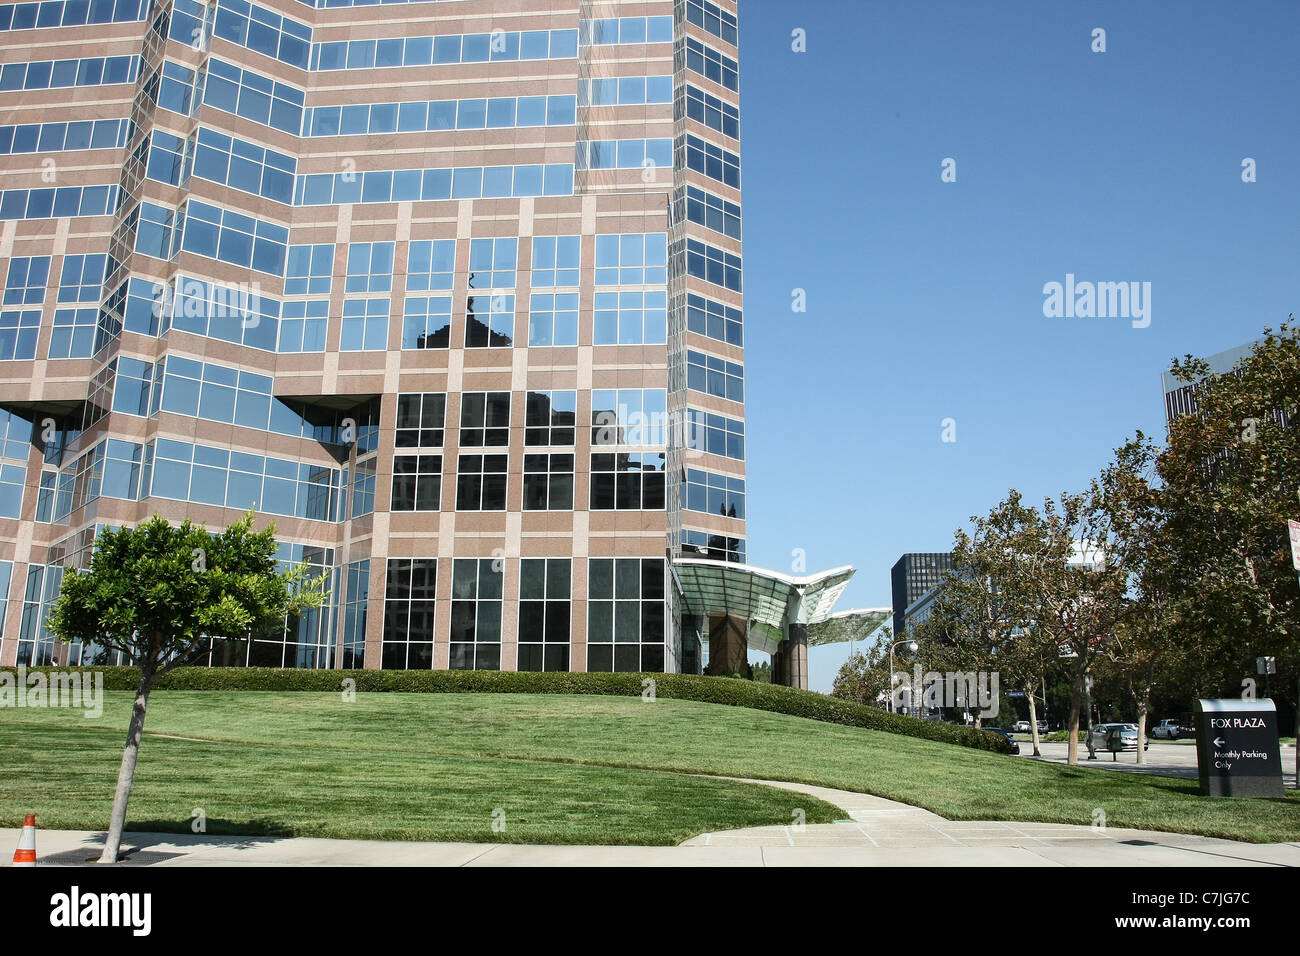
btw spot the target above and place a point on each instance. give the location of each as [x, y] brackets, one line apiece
[796, 656]
[780, 660]
[728, 645]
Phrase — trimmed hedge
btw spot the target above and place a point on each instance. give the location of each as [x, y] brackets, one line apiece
[729, 691]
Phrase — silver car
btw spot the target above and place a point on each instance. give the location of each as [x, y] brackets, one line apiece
[1098, 738]
[1167, 730]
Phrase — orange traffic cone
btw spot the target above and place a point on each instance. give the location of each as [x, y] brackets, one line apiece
[25, 855]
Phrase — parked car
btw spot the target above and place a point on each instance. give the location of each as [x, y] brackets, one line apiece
[1042, 726]
[1099, 736]
[1021, 726]
[1015, 747]
[1167, 730]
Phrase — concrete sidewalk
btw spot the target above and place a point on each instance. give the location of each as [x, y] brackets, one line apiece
[875, 832]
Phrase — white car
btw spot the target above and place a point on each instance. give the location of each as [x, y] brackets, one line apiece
[1166, 730]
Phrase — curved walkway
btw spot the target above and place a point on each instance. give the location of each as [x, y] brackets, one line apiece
[880, 832]
[875, 832]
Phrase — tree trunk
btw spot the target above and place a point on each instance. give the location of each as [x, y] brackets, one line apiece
[1072, 725]
[1144, 706]
[1033, 715]
[126, 775]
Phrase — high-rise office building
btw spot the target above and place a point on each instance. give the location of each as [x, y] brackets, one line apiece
[1180, 397]
[911, 578]
[451, 291]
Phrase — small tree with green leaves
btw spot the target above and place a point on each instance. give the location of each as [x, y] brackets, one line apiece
[1150, 646]
[865, 678]
[982, 617]
[160, 593]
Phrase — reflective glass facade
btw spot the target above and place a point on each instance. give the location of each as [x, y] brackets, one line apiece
[458, 308]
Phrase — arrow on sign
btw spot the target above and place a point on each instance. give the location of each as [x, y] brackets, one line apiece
[1220, 742]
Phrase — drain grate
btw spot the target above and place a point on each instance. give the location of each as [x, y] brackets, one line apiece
[86, 857]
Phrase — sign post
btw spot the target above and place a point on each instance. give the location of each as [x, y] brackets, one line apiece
[1237, 748]
[1293, 528]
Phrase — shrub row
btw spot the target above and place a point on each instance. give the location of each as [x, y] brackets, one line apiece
[711, 690]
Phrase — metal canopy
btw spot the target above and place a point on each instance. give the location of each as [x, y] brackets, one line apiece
[855, 625]
[767, 599]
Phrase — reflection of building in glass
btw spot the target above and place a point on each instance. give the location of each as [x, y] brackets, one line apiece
[444, 303]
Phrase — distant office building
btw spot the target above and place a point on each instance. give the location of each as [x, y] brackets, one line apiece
[917, 611]
[1180, 397]
[912, 578]
[927, 572]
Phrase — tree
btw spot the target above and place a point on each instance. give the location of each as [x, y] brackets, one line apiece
[1231, 473]
[1042, 585]
[865, 677]
[1150, 643]
[982, 618]
[1082, 587]
[160, 594]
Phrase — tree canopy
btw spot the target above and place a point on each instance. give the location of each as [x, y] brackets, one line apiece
[159, 592]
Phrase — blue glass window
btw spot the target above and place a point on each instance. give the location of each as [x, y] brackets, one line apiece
[26, 280]
[553, 319]
[426, 322]
[73, 334]
[365, 325]
[490, 321]
[303, 325]
[82, 278]
[556, 260]
[632, 259]
[310, 269]
[430, 265]
[492, 263]
[369, 267]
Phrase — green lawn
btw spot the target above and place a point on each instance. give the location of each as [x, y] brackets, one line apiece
[563, 769]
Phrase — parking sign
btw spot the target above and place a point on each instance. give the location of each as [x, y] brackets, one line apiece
[1294, 527]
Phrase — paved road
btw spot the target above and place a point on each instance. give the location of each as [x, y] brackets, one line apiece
[875, 832]
[1164, 758]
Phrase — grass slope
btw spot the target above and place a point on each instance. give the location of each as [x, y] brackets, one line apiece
[565, 769]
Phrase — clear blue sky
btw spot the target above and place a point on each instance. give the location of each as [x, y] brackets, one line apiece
[924, 298]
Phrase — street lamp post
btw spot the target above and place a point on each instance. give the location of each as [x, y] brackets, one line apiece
[912, 646]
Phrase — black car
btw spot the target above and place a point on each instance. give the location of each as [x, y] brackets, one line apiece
[1015, 747]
